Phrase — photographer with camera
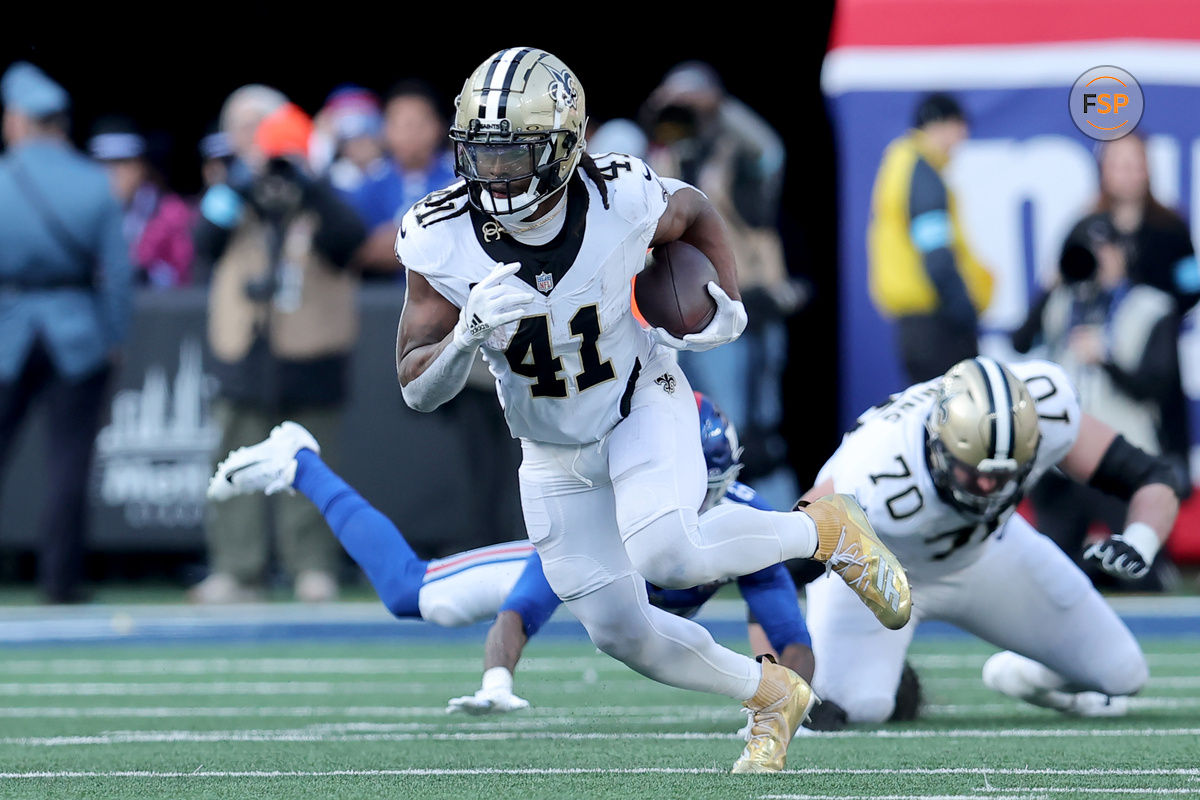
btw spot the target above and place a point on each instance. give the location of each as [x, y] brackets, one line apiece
[282, 320]
[1118, 342]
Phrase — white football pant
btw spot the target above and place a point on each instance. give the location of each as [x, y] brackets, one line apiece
[1022, 594]
[606, 514]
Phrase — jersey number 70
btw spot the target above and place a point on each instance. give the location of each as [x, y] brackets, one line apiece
[529, 354]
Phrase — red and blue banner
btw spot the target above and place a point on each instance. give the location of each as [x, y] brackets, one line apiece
[1027, 173]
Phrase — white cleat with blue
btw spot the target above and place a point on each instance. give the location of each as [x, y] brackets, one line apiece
[269, 466]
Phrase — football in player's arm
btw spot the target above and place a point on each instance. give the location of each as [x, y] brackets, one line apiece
[436, 341]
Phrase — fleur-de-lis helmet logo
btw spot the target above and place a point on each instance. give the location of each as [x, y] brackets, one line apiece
[563, 90]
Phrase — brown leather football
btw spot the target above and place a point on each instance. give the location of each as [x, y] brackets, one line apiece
[672, 291]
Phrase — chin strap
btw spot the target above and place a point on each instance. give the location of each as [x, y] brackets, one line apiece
[516, 225]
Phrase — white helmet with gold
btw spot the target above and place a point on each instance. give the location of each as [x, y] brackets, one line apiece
[518, 130]
[983, 436]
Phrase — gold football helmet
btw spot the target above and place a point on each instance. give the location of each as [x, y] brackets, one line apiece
[983, 436]
[518, 130]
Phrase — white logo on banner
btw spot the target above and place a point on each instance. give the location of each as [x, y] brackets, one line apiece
[154, 458]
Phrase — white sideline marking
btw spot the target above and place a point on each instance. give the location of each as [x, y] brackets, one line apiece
[312, 734]
[402, 666]
[1165, 682]
[545, 713]
[288, 666]
[1043, 790]
[598, 771]
[948, 661]
[663, 713]
[121, 689]
[131, 689]
[1136, 703]
[898, 797]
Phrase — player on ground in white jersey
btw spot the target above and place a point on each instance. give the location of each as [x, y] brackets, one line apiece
[529, 258]
[939, 470]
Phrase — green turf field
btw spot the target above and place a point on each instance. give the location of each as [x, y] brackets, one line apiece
[366, 720]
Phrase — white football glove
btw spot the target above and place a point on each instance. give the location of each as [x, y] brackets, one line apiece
[487, 701]
[726, 325]
[490, 306]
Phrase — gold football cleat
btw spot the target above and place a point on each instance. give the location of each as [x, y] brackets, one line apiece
[848, 545]
[777, 709]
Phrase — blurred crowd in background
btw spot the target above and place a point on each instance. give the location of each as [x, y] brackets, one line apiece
[297, 211]
[297, 218]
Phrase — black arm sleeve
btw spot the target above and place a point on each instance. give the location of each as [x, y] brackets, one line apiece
[1158, 372]
[927, 194]
[1125, 468]
[341, 231]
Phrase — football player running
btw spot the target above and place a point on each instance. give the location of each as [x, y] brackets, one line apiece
[532, 601]
[528, 258]
[939, 470]
[503, 580]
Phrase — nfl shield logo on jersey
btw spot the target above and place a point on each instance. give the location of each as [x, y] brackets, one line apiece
[545, 282]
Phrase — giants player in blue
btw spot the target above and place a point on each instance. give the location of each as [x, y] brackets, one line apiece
[503, 580]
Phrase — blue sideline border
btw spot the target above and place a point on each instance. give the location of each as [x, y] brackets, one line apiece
[286, 623]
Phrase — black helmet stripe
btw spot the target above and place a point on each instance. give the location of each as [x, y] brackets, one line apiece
[487, 81]
[493, 103]
[1000, 399]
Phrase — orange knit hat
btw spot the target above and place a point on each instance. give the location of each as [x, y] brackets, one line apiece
[284, 132]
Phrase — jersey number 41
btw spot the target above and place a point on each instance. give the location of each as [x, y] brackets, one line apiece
[529, 354]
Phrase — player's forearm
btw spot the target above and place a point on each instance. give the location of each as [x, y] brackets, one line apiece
[505, 642]
[434, 373]
[708, 233]
[1156, 506]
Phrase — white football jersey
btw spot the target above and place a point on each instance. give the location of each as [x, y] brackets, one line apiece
[565, 371]
[882, 462]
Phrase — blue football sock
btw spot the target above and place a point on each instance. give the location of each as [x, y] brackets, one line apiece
[370, 538]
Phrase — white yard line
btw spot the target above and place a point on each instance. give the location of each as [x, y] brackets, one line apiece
[955, 709]
[290, 666]
[548, 715]
[193, 688]
[312, 734]
[898, 797]
[948, 661]
[1027, 791]
[571, 714]
[1163, 682]
[404, 666]
[122, 689]
[913, 771]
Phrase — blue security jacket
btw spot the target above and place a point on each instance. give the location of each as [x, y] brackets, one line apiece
[80, 310]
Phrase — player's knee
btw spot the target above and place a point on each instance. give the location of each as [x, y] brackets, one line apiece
[445, 614]
[663, 552]
[615, 640]
[1125, 675]
[873, 708]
